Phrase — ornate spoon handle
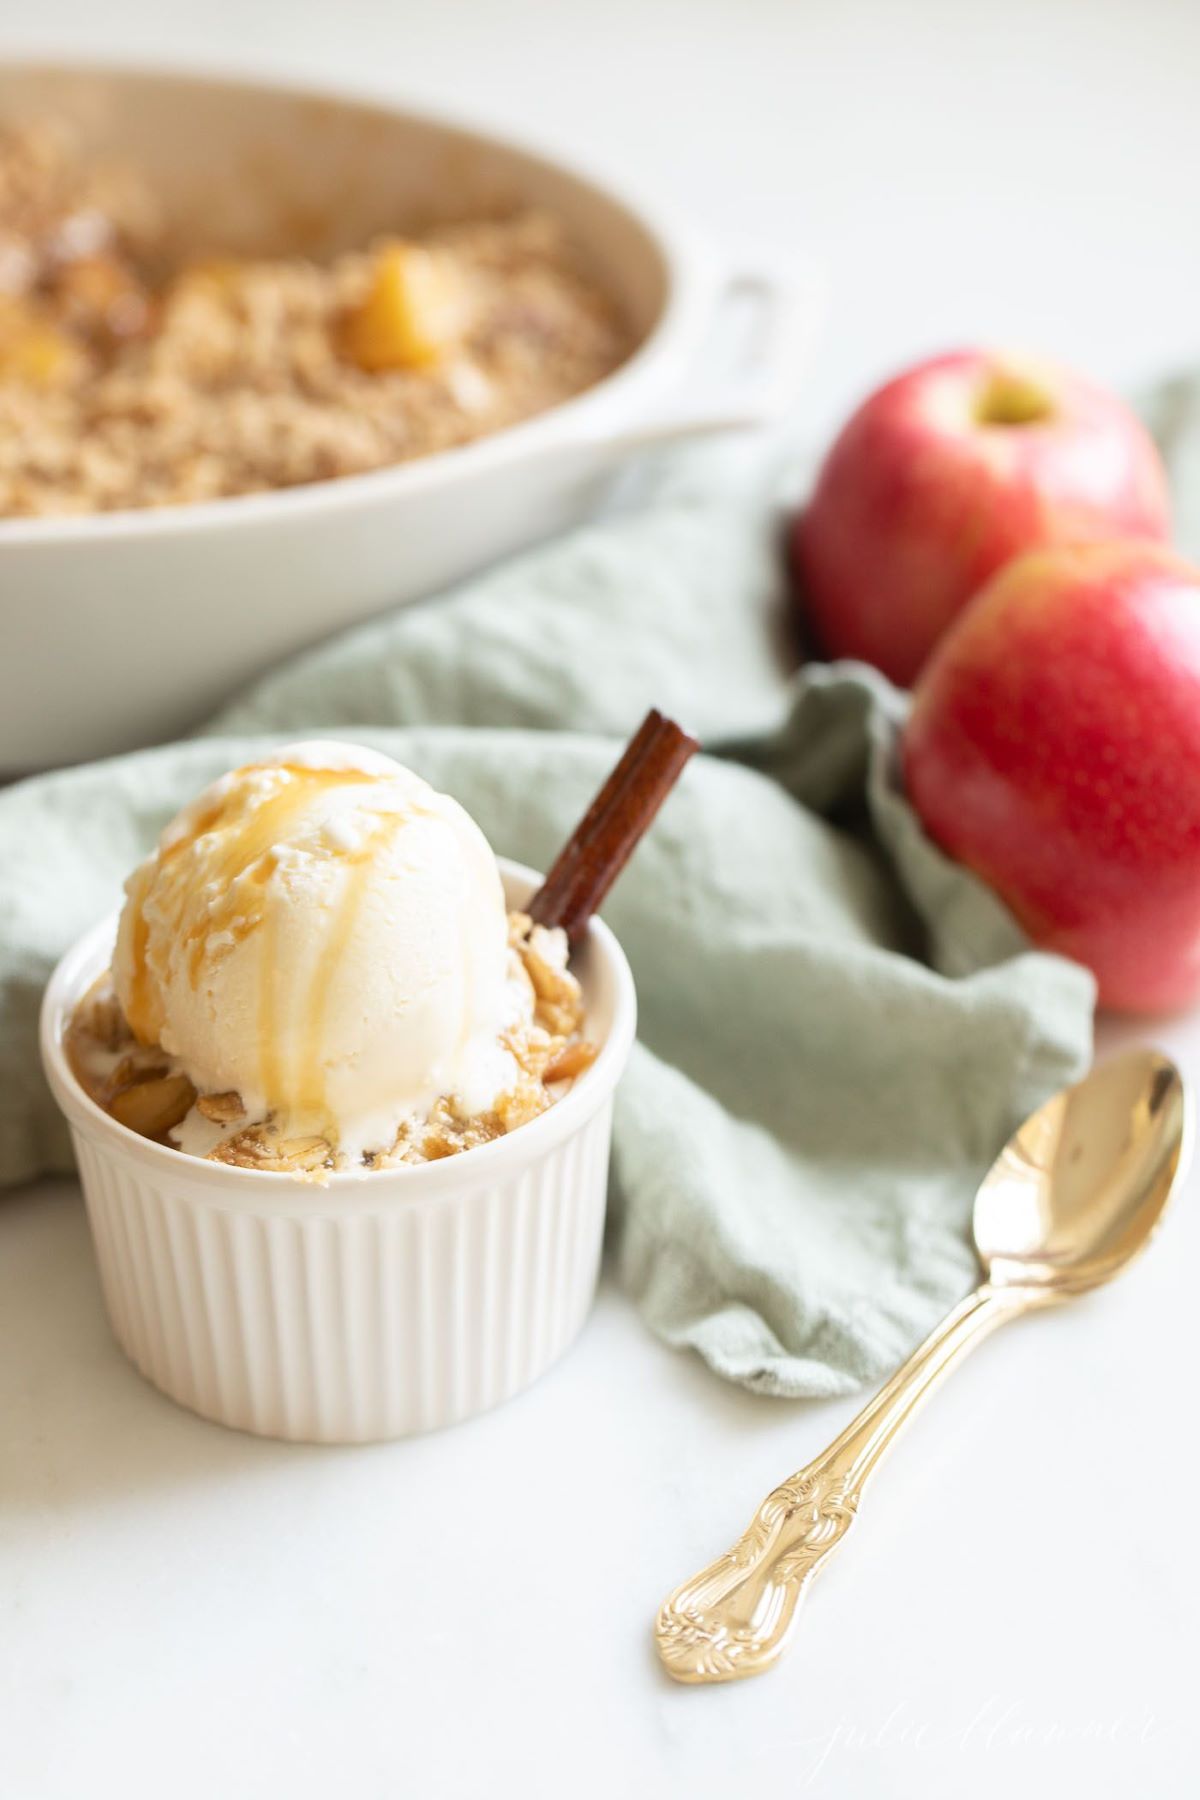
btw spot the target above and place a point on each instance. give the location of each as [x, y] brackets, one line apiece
[733, 1618]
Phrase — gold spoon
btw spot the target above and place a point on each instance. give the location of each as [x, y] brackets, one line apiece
[1070, 1200]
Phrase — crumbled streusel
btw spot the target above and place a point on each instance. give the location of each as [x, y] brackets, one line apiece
[132, 378]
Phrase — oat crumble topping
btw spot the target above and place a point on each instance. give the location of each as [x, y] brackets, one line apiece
[129, 379]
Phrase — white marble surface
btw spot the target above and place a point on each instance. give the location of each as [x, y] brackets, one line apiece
[184, 1611]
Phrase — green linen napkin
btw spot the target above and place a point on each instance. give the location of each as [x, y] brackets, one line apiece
[839, 1028]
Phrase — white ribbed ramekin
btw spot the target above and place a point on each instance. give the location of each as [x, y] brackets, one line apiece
[379, 1304]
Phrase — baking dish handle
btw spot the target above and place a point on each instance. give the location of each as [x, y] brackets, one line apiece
[766, 309]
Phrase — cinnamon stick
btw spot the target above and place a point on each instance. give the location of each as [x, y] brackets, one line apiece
[613, 825]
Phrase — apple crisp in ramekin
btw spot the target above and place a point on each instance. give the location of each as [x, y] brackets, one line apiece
[146, 1090]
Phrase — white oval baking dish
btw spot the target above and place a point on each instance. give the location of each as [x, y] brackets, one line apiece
[377, 1305]
[126, 628]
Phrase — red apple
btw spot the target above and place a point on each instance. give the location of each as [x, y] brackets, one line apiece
[1054, 747]
[943, 476]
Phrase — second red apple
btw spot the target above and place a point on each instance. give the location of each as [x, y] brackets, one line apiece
[1054, 747]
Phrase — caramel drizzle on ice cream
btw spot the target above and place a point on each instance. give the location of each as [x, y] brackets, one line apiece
[139, 1009]
[249, 830]
[251, 841]
[308, 1102]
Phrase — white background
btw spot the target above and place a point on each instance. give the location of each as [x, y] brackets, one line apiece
[186, 1612]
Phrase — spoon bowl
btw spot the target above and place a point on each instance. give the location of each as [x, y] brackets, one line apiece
[1081, 1187]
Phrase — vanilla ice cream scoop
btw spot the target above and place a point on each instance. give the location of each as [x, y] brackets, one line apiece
[324, 934]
